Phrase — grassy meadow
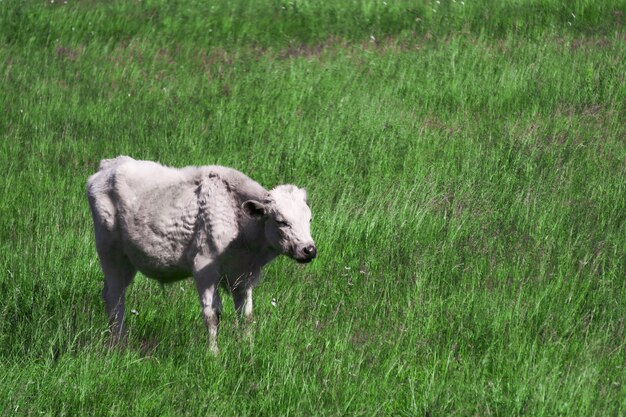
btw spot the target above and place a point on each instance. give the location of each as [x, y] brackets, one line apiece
[466, 168]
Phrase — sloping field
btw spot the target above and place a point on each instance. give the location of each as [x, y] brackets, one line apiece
[466, 167]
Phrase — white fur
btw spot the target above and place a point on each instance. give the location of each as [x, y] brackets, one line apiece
[173, 223]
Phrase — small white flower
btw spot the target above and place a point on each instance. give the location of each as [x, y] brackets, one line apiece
[372, 38]
[135, 312]
[273, 302]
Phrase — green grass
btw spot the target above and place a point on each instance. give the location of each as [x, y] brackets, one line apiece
[466, 171]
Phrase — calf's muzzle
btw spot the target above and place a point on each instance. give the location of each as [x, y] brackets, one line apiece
[308, 253]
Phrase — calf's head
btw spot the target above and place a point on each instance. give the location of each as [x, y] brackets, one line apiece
[287, 219]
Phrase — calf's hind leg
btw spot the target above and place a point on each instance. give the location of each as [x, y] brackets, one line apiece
[118, 274]
[243, 302]
[207, 278]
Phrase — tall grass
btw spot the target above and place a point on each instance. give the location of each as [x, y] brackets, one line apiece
[465, 165]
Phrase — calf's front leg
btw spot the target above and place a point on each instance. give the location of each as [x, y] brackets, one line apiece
[207, 276]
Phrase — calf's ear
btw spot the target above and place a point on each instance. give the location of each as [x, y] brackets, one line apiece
[253, 208]
[304, 196]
